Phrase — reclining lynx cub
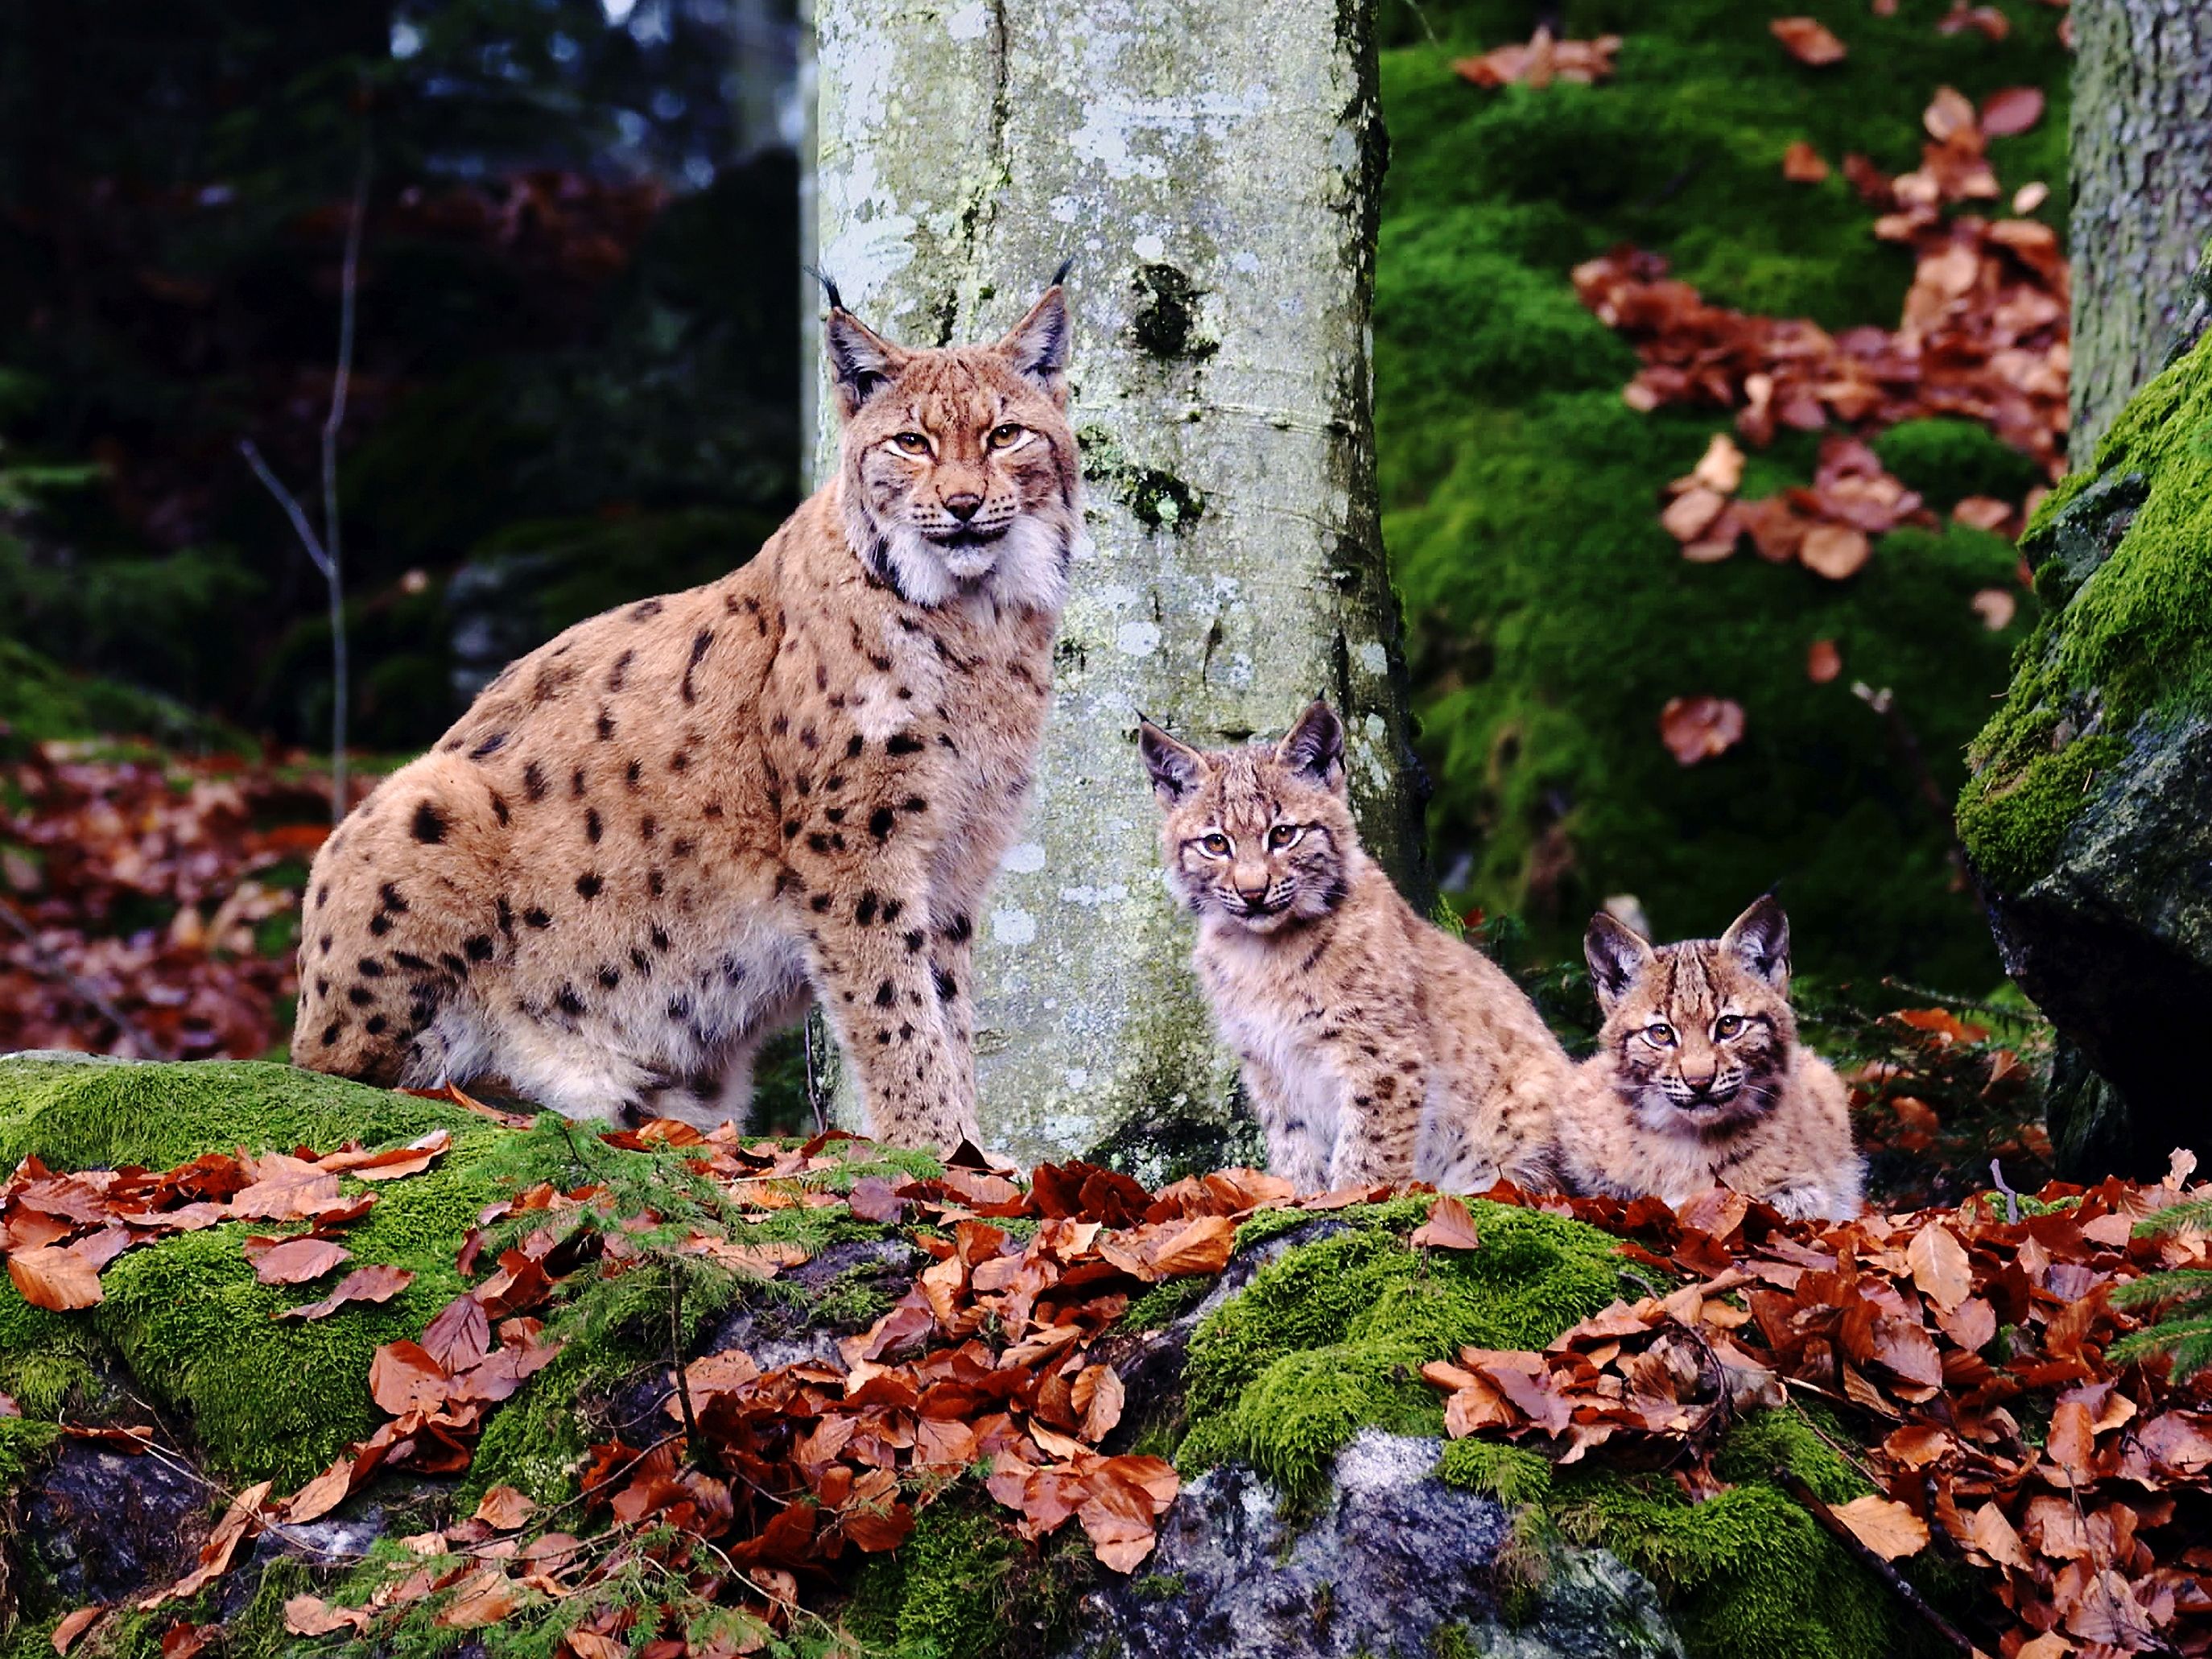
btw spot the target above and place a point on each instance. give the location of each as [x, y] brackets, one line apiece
[654, 840]
[1376, 1048]
[1699, 1081]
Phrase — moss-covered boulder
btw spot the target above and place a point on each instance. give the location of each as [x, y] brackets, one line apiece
[2089, 818]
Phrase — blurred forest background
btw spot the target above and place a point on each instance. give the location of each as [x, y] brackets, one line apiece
[577, 381]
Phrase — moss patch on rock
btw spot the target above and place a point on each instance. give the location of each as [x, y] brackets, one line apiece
[2124, 553]
[1329, 1339]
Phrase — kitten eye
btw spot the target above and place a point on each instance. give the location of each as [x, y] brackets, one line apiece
[910, 443]
[1659, 1034]
[1282, 835]
[1007, 434]
[1216, 844]
[1727, 1026]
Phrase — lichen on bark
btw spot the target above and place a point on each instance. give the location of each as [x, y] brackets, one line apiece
[1216, 184]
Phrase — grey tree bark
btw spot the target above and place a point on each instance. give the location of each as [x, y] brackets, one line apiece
[2142, 142]
[1212, 167]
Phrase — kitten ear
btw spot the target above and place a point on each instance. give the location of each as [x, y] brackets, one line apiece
[1759, 939]
[1314, 747]
[1037, 345]
[1616, 953]
[1177, 769]
[861, 361]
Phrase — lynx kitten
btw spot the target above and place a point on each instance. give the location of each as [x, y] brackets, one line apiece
[653, 841]
[1376, 1047]
[1699, 1081]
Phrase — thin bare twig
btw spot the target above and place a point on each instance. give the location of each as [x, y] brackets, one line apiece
[1900, 1585]
[47, 963]
[325, 551]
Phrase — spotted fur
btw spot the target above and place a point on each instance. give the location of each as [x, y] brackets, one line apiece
[1375, 1046]
[1699, 1082]
[654, 840]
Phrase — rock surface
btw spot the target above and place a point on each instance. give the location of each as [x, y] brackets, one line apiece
[2088, 820]
[1394, 1561]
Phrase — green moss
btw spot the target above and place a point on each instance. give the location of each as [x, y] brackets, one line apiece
[1947, 459]
[1330, 1338]
[2127, 559]
[1165, 1303]
[963, 1585]
[1545, 607]
[1512, 1474]
[1747, 1574]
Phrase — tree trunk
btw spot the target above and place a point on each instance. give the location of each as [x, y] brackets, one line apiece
[2142, 141]
[1212, 167]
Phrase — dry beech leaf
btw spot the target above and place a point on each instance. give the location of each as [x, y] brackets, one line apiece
[1808, 40]
[1691, 513]
[1948, 114]
[1982, 511]
[1801, 164]
[1834, 551]
[2013, 110]
[1884, 1526]
[1823, 662]
[378, 1283]
[1697, 729]
[1996, 607]
[403, 1378]
[504, 1508]
[2025, 201]
[74, 1625]
[1940, 1266]
[486, 1599]
[310, 1615]
[1720, 467]
[1450, 1227]
[55, 1279]
[296, 1260]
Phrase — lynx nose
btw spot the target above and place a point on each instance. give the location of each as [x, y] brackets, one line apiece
[963, 505]
[1253, 890]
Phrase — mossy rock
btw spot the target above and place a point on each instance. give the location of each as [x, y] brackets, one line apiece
[2089, 818]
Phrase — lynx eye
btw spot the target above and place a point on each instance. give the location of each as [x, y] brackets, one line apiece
[910, 443]
[1216, 844]
[1282, 835]
[1659, 1034]
[1727, 1026]
[1007, 434]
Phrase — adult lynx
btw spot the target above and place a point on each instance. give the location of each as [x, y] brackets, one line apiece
[1376, 1047]
[653, 841]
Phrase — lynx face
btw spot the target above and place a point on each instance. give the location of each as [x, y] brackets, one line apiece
[1257, 837]
[960, 469]
[1700, 1033]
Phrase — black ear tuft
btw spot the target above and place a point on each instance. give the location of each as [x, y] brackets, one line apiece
[1037, 345]
[861, 361]
[1060, 277]
[1616, 953]
[1177, 769]
[828, 288]
[1315, 747]
[1759, 939]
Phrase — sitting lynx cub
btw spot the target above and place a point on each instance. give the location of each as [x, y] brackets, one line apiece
[1699, 1081]
[1376, 1047]
[653, 841]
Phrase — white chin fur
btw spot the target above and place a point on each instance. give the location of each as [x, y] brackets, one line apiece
[1021, 566]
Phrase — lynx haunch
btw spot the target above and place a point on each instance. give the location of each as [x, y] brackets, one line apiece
[1376, 1047]
[653, 841]
[1699, 1081]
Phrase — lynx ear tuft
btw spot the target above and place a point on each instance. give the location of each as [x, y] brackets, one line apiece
[861, 361]
[1177, 769]
[1616, 953]
[1037, 345]
[1759, 939]
[1314, 746]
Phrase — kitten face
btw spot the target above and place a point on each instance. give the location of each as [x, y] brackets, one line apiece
[960, 469]
[1700, 1033]
[1258, 838]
